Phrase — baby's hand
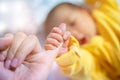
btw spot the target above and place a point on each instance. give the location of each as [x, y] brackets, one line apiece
[58, 36]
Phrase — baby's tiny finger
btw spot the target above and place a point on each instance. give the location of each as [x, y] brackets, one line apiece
[52, 41]
[57, 30]
[49, 47]
[62, 26]
[56, 36]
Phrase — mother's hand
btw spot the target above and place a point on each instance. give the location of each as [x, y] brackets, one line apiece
[23, 60]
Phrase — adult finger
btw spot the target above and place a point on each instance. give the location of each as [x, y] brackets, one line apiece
[17, 40]
[4, 43]
[29, 46]
[45, 61]
[4, 53]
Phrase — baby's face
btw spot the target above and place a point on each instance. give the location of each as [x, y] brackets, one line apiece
[79, 23]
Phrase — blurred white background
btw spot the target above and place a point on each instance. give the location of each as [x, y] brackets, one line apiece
[25, 15]
[28, 16]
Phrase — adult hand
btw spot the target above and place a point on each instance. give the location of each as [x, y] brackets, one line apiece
[24, 59]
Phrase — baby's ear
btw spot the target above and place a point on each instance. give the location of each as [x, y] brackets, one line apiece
[62, 26]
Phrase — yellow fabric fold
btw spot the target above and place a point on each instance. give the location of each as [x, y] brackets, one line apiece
[100, 58]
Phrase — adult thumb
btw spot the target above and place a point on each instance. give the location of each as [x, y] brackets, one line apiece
[4, 43]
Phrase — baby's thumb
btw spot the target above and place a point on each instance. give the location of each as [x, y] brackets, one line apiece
[62, 26]
[67, 35]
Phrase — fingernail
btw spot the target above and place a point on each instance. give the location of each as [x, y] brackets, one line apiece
[63, 27]
[2, 57]
[14, 63]
[7, 64]
[66, 36]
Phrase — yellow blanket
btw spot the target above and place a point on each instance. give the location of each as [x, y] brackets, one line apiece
[100, 58]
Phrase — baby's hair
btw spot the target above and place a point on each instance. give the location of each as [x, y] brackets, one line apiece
[71, 5]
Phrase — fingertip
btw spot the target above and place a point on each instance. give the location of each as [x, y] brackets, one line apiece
[8, 41]
[62, 26]
[2, 57]
[7, 64]
[14, 63]
[4, 43]
[67, 35]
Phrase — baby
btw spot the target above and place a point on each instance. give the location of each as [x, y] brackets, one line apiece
[93, 50]
[79, 21]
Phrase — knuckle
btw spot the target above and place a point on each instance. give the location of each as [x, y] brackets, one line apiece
[21, 34]
[49, 40]
[9, 35]
[50, 35]
[32, 37]
[10, 56]
[47, 47]
[53, 35]
[55, 28]
[60, 37]
[54, 40]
